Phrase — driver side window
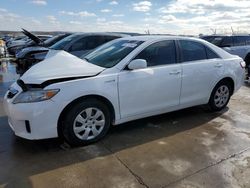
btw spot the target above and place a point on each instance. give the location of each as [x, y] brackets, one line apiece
[159, 53]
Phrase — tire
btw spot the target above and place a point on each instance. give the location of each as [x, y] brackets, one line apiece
[220, 96]
[247, 60]
[86, 122]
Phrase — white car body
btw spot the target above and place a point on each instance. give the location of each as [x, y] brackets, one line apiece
[133, 94]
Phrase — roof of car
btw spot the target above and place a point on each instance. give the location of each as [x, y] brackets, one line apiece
[156, 37]
[44, 35]
[224, 35]
[103, 33]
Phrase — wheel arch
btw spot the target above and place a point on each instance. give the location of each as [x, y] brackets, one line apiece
[228, 80]
[75, 101]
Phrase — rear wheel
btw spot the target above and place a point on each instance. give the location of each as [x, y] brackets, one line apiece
[86, 122]
[220, 96]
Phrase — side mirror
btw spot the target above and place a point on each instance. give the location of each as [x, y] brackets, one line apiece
[137, 64]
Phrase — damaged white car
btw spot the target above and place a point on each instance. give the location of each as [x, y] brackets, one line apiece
[123, 80]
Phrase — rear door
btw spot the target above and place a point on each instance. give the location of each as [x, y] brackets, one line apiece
[201, 69]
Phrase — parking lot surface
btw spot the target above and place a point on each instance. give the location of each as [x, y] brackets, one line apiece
[187, 148]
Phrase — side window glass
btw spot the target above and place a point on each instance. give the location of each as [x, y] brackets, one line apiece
[78, 45]
[211, 54]
[159, 53]
[226, 42]
[93, 42]
[240, 41]
[192, 51]
[247, 40]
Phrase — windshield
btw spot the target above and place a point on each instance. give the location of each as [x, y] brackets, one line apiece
[30, 42]
[62, 43]
[53, 40]
[109, 54]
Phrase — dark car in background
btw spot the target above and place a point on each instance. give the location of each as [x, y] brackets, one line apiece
[234, 44]
[209, 38]
[81, 43]
[77, 44]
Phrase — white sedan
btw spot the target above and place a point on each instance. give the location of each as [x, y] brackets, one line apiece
[123, 80]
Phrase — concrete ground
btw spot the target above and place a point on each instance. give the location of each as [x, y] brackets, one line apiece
[187, 148]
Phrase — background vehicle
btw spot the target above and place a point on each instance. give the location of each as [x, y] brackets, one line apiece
[123, 80]
[16, 46]
[16, 40]
[7, 38]
[77, 44]
[2, 48]
[235, 44]
[31, 40]
[209, 38]
[23, 60]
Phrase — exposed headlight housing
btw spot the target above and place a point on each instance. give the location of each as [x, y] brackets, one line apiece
[35, 96]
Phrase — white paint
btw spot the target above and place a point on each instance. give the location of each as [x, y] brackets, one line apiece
[134, 94]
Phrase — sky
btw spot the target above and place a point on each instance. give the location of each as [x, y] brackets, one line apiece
[189, 17]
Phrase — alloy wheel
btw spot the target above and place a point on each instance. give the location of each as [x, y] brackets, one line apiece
[221, 96]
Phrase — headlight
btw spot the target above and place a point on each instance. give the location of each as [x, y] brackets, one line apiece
[35, 96]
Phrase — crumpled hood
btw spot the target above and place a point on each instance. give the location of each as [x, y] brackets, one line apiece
[32, 36]
[60, 65]
[32, 49]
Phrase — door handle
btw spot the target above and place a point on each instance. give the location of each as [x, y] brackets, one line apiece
[218, 65]
[174, 72]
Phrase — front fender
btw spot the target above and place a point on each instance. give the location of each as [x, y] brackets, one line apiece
[104, 86]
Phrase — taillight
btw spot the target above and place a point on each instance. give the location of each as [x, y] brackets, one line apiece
[243, 64]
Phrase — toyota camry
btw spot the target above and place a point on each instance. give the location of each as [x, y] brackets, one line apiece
[120, 81]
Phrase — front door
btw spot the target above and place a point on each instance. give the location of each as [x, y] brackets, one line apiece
[154, 88]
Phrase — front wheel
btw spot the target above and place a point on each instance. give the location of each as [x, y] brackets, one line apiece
[86, 122]
[220, 96]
